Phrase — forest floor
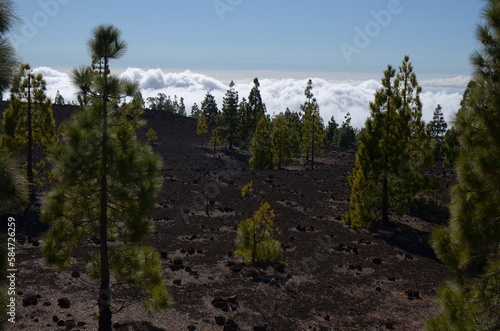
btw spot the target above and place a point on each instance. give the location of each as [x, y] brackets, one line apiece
[336, 278]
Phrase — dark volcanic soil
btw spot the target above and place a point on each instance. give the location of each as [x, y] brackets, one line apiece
[336, 279]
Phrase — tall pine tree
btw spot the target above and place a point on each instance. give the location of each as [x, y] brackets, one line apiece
[313, 133]
[255, 108]
[437, 129]
[469, 243]
[393, 149]
[107, 182]
[262, 146]
[281, 141]
[209, 107]
[230, 123]
[29, 120]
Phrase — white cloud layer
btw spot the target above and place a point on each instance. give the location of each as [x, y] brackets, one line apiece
[335, 98]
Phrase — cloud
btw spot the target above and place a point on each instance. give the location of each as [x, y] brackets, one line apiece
[335, 98]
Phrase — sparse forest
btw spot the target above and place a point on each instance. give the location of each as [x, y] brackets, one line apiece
[132, 214]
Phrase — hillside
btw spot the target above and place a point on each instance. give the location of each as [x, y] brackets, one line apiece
[336, 279]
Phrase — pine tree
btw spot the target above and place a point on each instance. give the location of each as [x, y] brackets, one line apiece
[345, 135]
[13, 186]
[392, 151]
[281, 141]
[313, 134]
[201, 126]
[294, 124]
[437, 129]
[245, 134]
[469, 242]
[229, 118]
[151, 137]
[195, 111]
[209, 107]
[255, 109]
[107, 183]
[254, 241]
[262, 146]
[8, 58]
[28, 120]
[331, 130]
[450, 148]
[215, 139]
[58, 100]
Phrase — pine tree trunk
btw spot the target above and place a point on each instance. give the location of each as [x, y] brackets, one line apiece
[104, 300]
[29, 160]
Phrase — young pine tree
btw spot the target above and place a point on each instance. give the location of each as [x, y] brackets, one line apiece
[29, 120]
[151, 137]
[262, 146]
[230, 124]
[470, 241]
[389, 159]
[254, 242]
[281, 141]
[107, 181]
[201, 126]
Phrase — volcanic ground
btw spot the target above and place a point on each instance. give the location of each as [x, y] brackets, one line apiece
[335, 278]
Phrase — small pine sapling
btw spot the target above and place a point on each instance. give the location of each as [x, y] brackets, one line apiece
[151, 137]
[255, 243]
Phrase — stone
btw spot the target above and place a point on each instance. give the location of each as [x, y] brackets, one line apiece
[221, 304]
[30, 300]
[64, 303]
[220, 320]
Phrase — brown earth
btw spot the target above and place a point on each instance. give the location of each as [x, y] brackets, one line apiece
[336, 279]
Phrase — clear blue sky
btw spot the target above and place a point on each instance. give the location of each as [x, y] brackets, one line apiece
[289, 35]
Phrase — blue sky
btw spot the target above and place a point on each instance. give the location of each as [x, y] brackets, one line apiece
[257, 34]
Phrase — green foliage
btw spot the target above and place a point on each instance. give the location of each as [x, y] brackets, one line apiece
[331, 131]
[255, 108]
[59, 100]
[313, 133]
[151, 137]
[450, 148]
[255, 243]
[209, 107]
[436, 130]
[393, 150]
[215, 139]
[294, 124]
[196, 111]
[13, 186]
[164, 102]
[107, 182]
[28, 121]
[8, 59]
[469, 242]
[229, 126]
[201, 126]
[262, 146]
[281, 141]
[345, 135]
